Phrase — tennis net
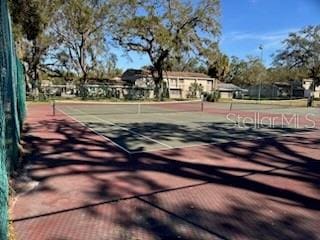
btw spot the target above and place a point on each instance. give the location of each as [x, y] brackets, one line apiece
[102, 108]
[234, 106]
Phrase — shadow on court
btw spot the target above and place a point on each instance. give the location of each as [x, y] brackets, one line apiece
[130, 135]
[243, 188]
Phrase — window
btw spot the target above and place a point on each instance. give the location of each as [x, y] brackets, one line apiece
[209, 85]
[181, 83]
[175, 93]
[173, 83]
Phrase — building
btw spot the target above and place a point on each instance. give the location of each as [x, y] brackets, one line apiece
[51, 89]
[278, 90]
[178, 83]
[229, 91]
[307, 85]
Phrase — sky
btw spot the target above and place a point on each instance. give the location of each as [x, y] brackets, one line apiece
[246, 24]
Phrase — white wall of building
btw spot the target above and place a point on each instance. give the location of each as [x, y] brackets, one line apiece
[306, 84]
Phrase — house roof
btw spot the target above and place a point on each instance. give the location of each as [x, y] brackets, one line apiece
[102, 81]
[46, 83]
[307, 79]
[142, 72]
[285, 84]
[228, 87]
[186, 74]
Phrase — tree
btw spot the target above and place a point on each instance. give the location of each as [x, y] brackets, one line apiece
[246, 72]
[112, 70]
[219, 67]
[302, 50]
[256, 71]
[185, 65]
[195, 90]
[81, 45]
[284, 74]
[236, 71]
[165, 29]
[31, 19]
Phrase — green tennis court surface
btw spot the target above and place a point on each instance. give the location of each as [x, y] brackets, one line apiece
[268, 108]
[145, 127]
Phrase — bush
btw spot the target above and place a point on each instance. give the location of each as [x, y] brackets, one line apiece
[212, 96]
[195, 90]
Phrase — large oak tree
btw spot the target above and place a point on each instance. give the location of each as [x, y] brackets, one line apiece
[165, 29]
[218, 66]
[246, 72]
[302, 51]
[32, 19]
[80, 32]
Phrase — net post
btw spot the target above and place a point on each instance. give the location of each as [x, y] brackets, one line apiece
[230, 107]
[54, 107]
[202, 103]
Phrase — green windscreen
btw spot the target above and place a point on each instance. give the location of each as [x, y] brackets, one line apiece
[12, 110]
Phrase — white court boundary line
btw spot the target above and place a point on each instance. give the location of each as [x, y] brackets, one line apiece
[126, 129]
[94, 131]
[126, 150]
[160, 149]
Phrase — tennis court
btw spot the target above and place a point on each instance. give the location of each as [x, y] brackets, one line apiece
[180, 170]
[144, 127]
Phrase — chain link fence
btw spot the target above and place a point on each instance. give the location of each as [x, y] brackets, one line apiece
[12, 110]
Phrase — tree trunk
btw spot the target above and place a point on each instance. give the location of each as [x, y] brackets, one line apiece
[83, 90]
[159, 84]
[83, 80]
[158, 67]
[35, 82]
[33, 73]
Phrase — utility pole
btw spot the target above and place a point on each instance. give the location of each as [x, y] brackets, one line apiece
[260, 81]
